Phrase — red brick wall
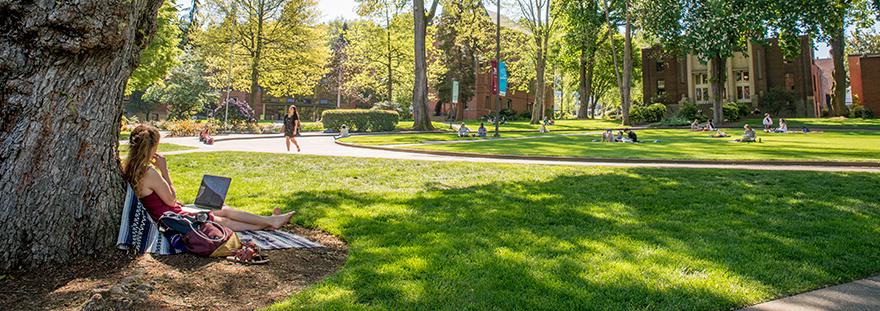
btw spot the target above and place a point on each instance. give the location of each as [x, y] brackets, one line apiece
[865, 80]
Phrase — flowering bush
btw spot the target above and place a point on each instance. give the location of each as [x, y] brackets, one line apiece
[189, 127]
[239, 112]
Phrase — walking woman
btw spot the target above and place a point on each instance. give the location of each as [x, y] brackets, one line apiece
[291, 126]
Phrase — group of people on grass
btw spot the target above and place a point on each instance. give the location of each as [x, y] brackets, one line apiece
[629, 137]
[464, 131]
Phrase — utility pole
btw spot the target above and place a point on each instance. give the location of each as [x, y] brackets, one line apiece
[498, 66]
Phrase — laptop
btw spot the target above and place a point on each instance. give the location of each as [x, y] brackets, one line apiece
[212, 193]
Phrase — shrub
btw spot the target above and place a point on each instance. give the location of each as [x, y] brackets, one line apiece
[859, 111]
[360, 120]
[731, 111]
[778, 101]
[690, 111]
[188, 127]
[647, 114]
[239, 112]
[745, 110]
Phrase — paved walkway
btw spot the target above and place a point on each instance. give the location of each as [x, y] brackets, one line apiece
[862, 295]
[326, 146]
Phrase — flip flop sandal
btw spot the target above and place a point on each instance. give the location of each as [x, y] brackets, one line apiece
[249, 254]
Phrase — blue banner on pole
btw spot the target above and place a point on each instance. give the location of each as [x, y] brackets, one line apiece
[502, 79]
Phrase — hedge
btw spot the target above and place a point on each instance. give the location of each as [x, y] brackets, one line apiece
[647, 114]
[360, 120]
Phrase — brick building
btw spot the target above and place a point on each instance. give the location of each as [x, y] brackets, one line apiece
[484, 102]
[864, 73]
[750, 75]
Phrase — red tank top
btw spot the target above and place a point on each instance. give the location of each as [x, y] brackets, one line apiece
[156, 207]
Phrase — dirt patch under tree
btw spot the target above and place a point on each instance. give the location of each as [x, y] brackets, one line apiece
[122, 281]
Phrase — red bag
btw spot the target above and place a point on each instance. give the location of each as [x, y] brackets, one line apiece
[206, 237]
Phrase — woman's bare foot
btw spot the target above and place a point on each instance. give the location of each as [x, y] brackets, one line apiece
[281, 220]
[276, 211]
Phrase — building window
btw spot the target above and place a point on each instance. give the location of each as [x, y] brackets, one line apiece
[743, 89]
[661, 66]
[701, 87]
[661, 87]
[789, 81]
[509, 102]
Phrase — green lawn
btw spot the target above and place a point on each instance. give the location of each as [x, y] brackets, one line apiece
[397, 139]
[796, 124]
[561, 125]
[163, 147]
[674, 144]
[456, 235]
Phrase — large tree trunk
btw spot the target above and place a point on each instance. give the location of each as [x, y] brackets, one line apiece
[63, 69]
[422, 121]
[255, 64]
[627, 69]
[538, 108]
[838, 86]
[582, 83]
[716, 85]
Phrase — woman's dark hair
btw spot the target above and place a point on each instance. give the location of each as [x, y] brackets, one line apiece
[295, 111]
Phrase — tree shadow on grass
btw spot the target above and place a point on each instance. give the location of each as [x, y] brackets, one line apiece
[635, 239]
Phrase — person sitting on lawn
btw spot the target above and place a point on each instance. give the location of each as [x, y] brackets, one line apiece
[631, 135]
[147, 173]
[463, 131]
[607, 136]
[619, 137]
[710, 126]
[749, 135]
[768, 123]
[783, 127]
[481, 132]
[205, 136]
[695, 126]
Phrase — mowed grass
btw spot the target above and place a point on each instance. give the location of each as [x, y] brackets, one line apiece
[163, 147]
[860, 146]
[839, 122]
[456, 235]
[402, 139]
[560, 125]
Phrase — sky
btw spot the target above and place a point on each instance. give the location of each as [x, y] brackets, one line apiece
[332, 9]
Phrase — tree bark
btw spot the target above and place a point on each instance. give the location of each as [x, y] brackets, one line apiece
[63, 70]
[255, 63]
[627, 68]
[838, 86]
[422, 120]
[716, 84]
[582, 83]
[538, 108]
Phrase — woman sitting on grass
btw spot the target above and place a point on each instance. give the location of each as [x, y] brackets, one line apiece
[147, 173]
[783, 127]
[463, 131]
[749, 135]
[695, 126]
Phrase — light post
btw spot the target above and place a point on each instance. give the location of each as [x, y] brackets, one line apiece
[498, 66]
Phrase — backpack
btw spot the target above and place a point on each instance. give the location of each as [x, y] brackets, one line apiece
[199, 236]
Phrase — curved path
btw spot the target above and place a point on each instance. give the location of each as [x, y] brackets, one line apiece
[326, 146]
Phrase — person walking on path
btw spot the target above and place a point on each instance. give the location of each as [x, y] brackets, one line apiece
[768, 123]
[291, 127]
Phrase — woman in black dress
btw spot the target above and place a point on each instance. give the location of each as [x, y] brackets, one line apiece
[291, 125]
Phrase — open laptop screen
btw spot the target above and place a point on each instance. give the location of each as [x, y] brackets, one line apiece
[212, 192]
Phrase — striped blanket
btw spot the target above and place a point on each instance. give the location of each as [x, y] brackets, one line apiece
[138, 232]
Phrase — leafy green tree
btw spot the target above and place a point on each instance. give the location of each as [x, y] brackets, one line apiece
[161, 55]
[863, 41]
[465, 35]
[541, 25]
[386, 12]
[276, 46]
[710, 30]
[379, 72]
[582, 22]
[186, 92]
